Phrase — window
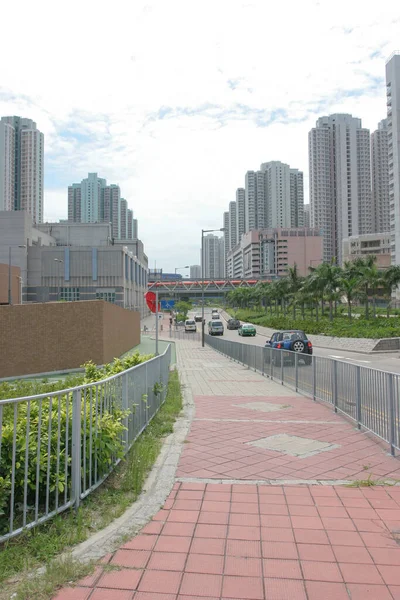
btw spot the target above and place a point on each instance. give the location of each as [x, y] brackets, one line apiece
[69, 294]
[107, 296]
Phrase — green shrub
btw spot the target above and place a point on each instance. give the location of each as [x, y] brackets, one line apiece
[341, 326]
[50, 428]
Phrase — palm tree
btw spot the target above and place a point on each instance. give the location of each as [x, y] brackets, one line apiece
[370, 279]
[390, 280]
[349, 284]
[326, 279]
[294, 284]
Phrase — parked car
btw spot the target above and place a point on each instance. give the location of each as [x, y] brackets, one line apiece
[290, 342]
[197, 318]
[190, 325]
[214, 310]
[215, 316]
[247, 329]
[233, 324]
[215, 327]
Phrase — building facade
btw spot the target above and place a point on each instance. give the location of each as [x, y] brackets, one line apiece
[232, 225]
[307, 216]
[393, 129]
[376, 244]
[93, 201]
[270, 252]
[240, 213]
[73, 261]
[226, 227]
[21, 166]
[340, 181]
[380, 178]
[195, 271]
[214, 256]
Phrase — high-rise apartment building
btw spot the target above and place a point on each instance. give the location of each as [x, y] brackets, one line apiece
[195, 271]
[340, 181]
[296, 198]
[284, 195]
[307, 215]
[93, 201]
[232, 225]
[214, 256]
[21, 166]
[135, 227]
[226, 240]
[240, 213]
[380, 178]
[251, 200]
[393, 125]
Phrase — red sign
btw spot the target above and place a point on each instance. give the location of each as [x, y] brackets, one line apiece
[151, 301]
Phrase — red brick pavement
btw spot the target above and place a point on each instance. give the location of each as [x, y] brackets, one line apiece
[238, 541]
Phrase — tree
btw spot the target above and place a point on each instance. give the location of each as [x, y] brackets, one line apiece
[326, 281]
[370, 278]
[349, 284]
[294, 284]
[390, 281]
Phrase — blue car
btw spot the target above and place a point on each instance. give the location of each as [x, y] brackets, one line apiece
[293, 340]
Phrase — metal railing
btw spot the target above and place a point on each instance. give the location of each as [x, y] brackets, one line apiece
[371, 398]
[56, 448]
[179, 333]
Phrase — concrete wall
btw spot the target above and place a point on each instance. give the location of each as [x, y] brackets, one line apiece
[56, 336]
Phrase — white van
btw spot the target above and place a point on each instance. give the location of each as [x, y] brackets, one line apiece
[190, 325]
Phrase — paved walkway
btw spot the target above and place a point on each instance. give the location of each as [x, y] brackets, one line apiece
[259, 509]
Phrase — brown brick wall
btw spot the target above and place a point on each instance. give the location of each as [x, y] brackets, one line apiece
[55, 336]
[15, 284]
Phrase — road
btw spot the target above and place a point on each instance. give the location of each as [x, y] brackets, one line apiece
[384, 362]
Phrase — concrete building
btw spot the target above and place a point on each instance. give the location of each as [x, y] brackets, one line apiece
[380, 178]
[93, 201]
[226, 240]
[135, 227]
[214, 256]
[340, 181]
[232, 225]
[359, 246]
[307, 216]
[251, 200]
[21, 166]
[73, 261]
[269, 252]
[393, 125]
[240, 213]
[296, 198]
[195, 271]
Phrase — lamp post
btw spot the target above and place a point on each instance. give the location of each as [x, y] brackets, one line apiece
[58, 260]
[9, 272]
[180, 268]
[203, 231]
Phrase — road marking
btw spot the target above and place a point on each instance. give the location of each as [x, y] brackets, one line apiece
[367, 362]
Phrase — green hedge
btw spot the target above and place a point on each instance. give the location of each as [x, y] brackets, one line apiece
[106, 447]
[381, 327]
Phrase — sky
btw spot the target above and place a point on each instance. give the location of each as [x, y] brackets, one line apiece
[174, 100]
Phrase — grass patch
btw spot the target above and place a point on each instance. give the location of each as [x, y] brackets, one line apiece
[369, 482]
[41, 545]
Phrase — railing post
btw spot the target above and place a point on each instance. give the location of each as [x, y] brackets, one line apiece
[296, 367]
[271, 366]
[255, 358]
[358, 396]
[76, 449]
[392, 416]
[263, 361]
[125, 406]
[314, 378]
[282, 363]
[334, 385]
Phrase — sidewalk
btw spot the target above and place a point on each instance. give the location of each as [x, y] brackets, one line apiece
[259, 510]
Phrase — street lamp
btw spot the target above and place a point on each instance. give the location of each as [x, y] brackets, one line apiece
[58, 260]
[179, 268]
[203, 231]
[9, 272]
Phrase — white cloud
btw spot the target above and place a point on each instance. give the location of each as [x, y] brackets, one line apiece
[97, 77]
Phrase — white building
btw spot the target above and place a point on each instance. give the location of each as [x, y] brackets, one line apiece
[195, 271]
[93, 201]
[251, 200]
[226, 240]
[21, 166]
[340, 181]
[240, 213]
[380, 178]
[393, 123]
[376, 244]
[214, 256]
[232, 225]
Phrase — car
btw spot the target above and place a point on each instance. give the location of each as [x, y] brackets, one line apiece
[291, 341]
[233, 324]
[197, 318]
[215, 327]
[190, 325]
[215, 316]
[247, 329]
